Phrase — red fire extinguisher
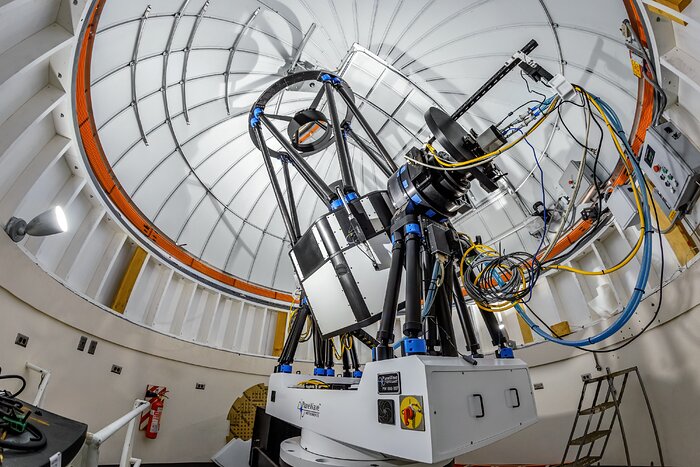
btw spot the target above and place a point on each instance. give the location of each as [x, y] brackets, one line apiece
[154, 417]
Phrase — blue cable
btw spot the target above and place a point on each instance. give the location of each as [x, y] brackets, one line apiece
[645, 267]
[544, 201]
[544, 214]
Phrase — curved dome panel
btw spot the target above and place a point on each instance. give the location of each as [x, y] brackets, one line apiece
[171, 85]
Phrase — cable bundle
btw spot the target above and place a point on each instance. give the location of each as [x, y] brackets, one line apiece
[517, 273]
[498, 282]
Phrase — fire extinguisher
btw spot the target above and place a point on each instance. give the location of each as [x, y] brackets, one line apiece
[154, 417]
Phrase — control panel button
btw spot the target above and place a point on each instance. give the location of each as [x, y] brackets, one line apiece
[411, 413]
[656, 168]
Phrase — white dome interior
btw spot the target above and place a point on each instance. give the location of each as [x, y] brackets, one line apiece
[209, 301]
[203, 184]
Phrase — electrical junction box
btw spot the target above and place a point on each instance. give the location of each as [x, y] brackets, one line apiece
[623, 207]
[672, 164]
[569, 177]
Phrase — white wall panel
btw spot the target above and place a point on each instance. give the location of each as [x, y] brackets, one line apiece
[172, 297]
[115, 274]
[193, 319]
[21, 19]
[142, 291]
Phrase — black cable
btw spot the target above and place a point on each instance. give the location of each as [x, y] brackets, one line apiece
[18, 377]
[661, 292]
[596, 182]
[468, 358]
[530, 90]
[510, 268]
[36, 441]
[540, 320]
[576, 246]
[658, 306]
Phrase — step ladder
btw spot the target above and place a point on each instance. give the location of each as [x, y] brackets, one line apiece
[600, 418]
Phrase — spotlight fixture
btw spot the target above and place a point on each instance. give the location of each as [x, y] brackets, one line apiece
[50, 222]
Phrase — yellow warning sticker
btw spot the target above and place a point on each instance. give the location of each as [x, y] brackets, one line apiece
[411, 413]
[636, 68]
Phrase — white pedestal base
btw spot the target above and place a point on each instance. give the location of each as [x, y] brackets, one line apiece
[314, 450]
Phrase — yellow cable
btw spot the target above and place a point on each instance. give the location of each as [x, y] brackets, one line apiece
[306, 334]
[637, 201]
[501, 150]
[338, 356]
[490, 251]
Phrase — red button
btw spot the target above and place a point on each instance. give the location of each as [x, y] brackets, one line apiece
[656, 168]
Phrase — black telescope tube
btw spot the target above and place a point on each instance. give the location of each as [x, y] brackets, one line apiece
[378, 161]
[290, 346]
[385, 335]
[290, 200]
[413, 326]
[465, 319]
[346, 173]
[319, 348]
[368, 129]
[354, 361]
[276, 186]
[346, 361]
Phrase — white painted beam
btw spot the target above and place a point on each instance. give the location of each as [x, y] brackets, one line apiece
[77, 244]
[32, 51]
[29, 114]
[110, 255]
[158, 294]
[237, 329]
[263, 331]
[208, 317]
[232, 323]
[683, 65]
[12, 195]
[220, 322]
[19, 19]
[183, 305]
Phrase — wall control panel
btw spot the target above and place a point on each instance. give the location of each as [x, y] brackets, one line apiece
[568, 179]
[672, 164]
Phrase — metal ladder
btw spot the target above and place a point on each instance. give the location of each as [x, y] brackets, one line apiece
[606, 397]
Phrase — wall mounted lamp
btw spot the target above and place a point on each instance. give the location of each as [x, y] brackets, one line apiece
[50, 222]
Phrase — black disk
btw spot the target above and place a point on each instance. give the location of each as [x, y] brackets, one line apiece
[448, 133]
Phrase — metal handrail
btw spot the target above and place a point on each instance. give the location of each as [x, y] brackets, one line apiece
[45, 376]
[95, 440]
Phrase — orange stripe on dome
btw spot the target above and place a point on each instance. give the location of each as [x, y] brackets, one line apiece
[110, 185]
